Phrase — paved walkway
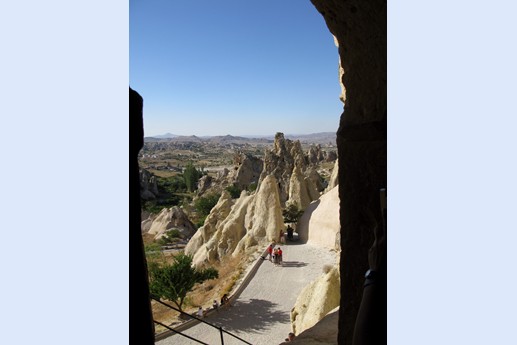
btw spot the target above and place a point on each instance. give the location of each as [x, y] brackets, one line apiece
[261, 314]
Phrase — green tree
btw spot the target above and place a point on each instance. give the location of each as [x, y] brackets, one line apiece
[205, 204]
[171, 185]
[173, 281]
[191, 176]
[291, 213]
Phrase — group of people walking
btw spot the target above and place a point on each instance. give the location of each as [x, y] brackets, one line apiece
[274, 254]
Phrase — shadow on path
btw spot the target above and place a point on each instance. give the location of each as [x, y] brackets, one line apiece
[293, 264]
[251, 316]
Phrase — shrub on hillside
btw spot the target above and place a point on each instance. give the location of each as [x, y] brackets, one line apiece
[252, 187]
[205, 204]
[234, 191]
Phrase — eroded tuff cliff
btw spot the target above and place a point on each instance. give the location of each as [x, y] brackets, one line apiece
[333, 177]
[316, 300]
[240, 226]
[247, 170]
[280, 162]
[298, 182]
[235, 226]
[167, 219]
[319, 225]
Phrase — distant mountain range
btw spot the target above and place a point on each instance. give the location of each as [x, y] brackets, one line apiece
[313, 138]
[164, 136]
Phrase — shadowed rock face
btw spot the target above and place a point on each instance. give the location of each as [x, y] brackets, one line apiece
[148, 185]
[141, 321]
[360, 31]
[248, 170]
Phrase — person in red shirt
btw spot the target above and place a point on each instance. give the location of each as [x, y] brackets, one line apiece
[279, 255]
[269, 252]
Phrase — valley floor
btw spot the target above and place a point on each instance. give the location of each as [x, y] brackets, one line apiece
[261, 314]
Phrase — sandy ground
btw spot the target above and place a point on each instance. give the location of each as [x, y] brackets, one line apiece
[261, 314]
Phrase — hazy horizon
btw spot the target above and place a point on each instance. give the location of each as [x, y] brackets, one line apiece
[240, 135]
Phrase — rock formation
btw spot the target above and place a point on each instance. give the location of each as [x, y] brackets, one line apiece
[229, 232]
[140, 314]
[333, 177]
[319, 225]
[204, 183]
[167, 219]
[360, 31]
[238, 228]
[330, 156]
[222, 174]
[316, 300]
[280, 162]
[148, 186]
[248, 170]
[322, 333]
[297, 183]
[315, 154]
[212, 222]
[299, 190]
[264, 215]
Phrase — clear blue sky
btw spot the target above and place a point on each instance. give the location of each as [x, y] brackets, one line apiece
[234, 67]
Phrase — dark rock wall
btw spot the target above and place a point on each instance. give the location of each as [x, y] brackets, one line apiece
[141, 324]
[360, 29]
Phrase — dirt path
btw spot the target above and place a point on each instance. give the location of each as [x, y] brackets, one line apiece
[261, 314]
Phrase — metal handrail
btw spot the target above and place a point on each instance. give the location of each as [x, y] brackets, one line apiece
[221, 330]
[172, 329]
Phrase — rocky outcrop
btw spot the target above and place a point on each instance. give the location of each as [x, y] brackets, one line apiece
[227, 235]
[333, 177]
[263, 217]
[238, 228]
[330, 156]
[315, 154]
[204, 183]
[297, 183]
[222, 174]
[319, 224]
[316, 300]
[280, 162]
[314, 184]
[212, 222]
[248, 170]
[322, 333]
[167, 219]
[299, 190]
[148, 185]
